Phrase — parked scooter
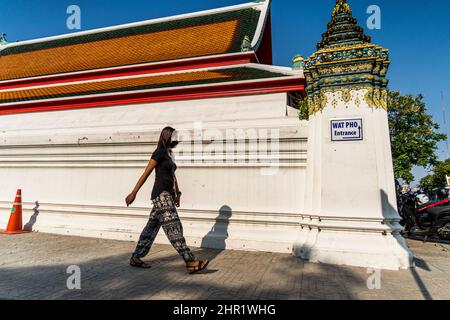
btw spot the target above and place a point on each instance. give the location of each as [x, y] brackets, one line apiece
[425, 219]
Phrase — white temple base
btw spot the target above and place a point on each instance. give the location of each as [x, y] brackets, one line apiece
[248, 231]
[81, 164]
[354, 248]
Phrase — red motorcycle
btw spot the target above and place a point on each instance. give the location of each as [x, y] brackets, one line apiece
[426, 220]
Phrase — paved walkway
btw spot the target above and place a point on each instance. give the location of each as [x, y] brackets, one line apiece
[33, 266]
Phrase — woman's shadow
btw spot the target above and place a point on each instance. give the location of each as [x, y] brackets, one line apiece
[217, 236]
[29, 225]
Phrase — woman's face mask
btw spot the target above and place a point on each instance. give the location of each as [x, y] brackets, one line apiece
[174, 139]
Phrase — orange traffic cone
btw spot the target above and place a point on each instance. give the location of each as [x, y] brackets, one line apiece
[15, 220]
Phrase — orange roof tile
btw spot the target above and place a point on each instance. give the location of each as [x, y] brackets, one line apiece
[171, 40]
[137, 83]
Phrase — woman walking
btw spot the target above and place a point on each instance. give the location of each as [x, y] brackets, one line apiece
[165, 197]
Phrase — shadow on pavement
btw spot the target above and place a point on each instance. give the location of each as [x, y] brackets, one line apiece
[112, 278]
[429, 240]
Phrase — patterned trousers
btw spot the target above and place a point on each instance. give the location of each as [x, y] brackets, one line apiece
[164, 214]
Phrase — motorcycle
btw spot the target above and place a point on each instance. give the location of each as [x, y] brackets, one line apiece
[428, 219]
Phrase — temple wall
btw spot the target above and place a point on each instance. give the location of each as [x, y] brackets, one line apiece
[76, 167]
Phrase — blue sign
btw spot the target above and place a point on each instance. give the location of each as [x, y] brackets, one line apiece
[347, 130]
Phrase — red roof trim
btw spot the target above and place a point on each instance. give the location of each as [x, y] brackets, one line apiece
[223, 90]
[227, 60]
[264, 51]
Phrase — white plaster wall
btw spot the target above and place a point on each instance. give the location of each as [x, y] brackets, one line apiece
[148, 116]
[356, 176]
[350, 191]
[81, 164]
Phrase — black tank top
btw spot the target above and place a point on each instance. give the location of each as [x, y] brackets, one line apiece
[165, 170]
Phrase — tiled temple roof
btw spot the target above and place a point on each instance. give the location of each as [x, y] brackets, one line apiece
[215, 53]
[209, 33]
[158, 81]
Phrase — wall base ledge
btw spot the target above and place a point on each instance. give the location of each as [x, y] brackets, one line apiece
[358, 249]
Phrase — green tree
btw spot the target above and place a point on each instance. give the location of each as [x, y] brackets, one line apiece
[414, 135]
[427, 183]
[437, 179]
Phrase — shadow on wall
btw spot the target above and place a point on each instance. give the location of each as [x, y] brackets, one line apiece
[29, 225]
[217, 236]
[391, 216]
[388, 211]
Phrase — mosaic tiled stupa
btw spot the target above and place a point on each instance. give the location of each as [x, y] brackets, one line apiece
[346, 61]
[347, 88]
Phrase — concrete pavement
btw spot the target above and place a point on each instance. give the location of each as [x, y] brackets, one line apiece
[34, 266]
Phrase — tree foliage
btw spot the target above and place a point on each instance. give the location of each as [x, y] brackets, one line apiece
[414, 134]
[437, 179]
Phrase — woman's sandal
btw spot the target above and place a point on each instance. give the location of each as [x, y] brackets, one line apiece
[138, 263]
[197, 266]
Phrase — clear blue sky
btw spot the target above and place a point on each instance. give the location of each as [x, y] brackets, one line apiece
[416, 31]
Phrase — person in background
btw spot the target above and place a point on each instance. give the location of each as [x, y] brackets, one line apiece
[442, 194]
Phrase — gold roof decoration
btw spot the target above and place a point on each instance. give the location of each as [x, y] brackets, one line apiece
[341, 7]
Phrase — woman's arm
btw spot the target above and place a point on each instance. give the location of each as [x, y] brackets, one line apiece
[177, 190]
[175, 184]
[148, 171]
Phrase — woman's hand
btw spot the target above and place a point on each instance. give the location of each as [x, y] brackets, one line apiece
[132, 196]
[130, 199]
[177, 200]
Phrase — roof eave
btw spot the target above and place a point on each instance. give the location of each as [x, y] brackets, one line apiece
[238, 88]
